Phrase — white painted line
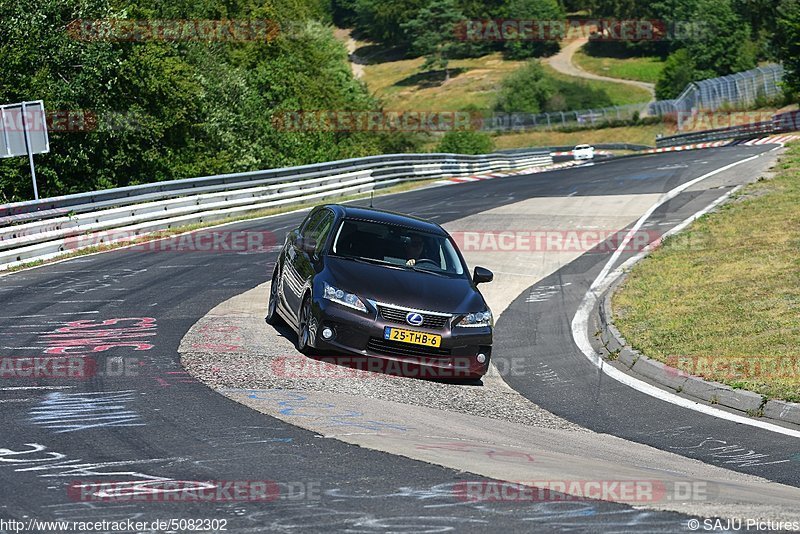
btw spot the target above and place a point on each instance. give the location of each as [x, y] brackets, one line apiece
[15, 388]
[580, 325]
[47, 315]
[82, 301]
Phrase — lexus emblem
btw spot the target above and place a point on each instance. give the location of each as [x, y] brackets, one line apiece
[414, 319]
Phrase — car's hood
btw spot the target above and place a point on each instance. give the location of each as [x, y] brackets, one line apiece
[404, 287]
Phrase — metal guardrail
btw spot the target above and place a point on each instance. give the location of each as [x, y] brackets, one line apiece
[601, 146]
[783, 122]
[159, 190]
[718, 134]
[47, 228]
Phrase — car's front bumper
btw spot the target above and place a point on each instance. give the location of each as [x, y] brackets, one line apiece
[362, 334]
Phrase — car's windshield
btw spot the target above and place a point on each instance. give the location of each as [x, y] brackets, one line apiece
[396, 245]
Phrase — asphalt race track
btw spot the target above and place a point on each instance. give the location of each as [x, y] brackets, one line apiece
[136, 416]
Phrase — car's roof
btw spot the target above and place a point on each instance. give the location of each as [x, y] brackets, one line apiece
[387, 217]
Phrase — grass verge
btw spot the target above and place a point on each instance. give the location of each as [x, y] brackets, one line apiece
[641, 69]
[473, 82]
[620, 93]
[641, 135]
[722, 299]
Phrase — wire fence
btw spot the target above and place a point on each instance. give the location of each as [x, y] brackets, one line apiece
[733, 91]
[736, 91]
[560, 119]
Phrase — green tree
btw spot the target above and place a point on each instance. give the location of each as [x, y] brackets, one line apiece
[168, 110]
[724, 46]
[788, 24]
[620, 9]
[525, 90]
[433, 34]
[383, 22]
[541, 10]
[576, 95]
[679, 71]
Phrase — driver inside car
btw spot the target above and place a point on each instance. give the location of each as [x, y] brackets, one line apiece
[414, 247]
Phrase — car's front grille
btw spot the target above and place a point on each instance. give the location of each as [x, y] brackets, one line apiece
[398, 315]
[396, 348]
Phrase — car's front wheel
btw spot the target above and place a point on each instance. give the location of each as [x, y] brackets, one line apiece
[307, 327]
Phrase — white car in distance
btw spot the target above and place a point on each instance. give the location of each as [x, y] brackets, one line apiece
[582, 152]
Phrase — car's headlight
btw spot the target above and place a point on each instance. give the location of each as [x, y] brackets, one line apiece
[471, 320]
[344, 298]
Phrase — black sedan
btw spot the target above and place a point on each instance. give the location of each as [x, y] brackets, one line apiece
[384, 287]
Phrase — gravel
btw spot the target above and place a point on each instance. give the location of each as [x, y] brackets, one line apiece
[232, 347]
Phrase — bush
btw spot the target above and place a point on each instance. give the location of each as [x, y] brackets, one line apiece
[531, 90]
[525, 90]
[576, 95]
[679, 71]
[466, 142]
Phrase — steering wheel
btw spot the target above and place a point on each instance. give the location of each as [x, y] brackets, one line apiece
[425, 260]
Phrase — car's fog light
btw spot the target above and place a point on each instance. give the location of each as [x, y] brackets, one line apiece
[481, 358]
[327, 333]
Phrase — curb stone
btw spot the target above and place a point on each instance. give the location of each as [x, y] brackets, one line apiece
[634, 362]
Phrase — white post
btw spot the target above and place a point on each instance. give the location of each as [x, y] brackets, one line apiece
[30, 153]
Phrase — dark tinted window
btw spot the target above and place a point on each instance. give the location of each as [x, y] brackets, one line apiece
[396, 245]
[312, 220]
[322, 230]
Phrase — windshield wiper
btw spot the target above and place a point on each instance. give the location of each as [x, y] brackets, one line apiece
[373, 261]
[421, 270]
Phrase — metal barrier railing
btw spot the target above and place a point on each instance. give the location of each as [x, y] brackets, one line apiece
[48, 227]
[780, 123]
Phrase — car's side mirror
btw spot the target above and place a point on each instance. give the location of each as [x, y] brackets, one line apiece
[309, 245]
[481, 275]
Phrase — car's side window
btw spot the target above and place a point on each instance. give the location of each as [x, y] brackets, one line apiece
[321, 231]
[312, 220]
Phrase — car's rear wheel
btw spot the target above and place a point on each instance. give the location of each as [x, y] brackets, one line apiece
[272, 306]
[307, 327]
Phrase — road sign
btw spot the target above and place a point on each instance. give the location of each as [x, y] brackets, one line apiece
[23, 131]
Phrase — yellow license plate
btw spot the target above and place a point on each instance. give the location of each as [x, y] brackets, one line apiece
[409, 336]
